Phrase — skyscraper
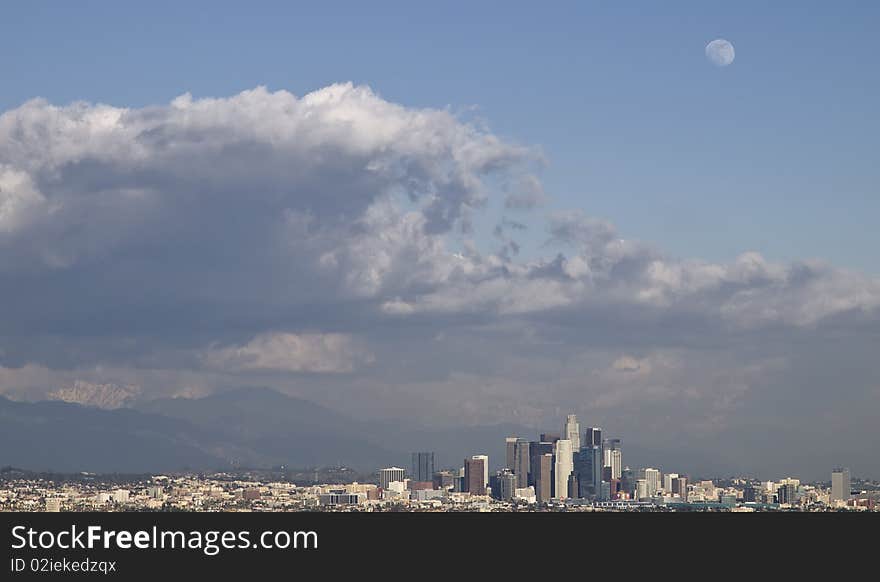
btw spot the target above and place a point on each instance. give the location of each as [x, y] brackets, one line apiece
[474, 475]
[390, 475]
[667, 482]
[652, 480]
[786, 494]
[680, 486]
[422, 466]
[593, 437]
[507, 485]
[543, 477]
[840, 485]
[510, 450]
[522, 463]
[583, 468]
[562, 467]
[572, 431]
[613, 457]
[536, 450]
[485, 459]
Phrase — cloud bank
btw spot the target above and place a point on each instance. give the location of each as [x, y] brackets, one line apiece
[325, 245]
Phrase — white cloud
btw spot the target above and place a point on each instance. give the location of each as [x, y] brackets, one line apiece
[197, 245]
[287, 352]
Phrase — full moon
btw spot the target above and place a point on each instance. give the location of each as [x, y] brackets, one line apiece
[720, 52]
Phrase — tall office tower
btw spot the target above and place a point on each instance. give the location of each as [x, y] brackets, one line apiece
[667, 482]
[627, 480]
[549, 437]
[749, 495]
[485, 460]
[593, 437]
[573, 486]
[536, 450]
[840, 485]
[615, 462]
[642, 489]
[507, 485]
[422, 467]
[680, 486]
[522, 462]
[596, 451]
[583, 468]
[562, 466]
[786, 494]
[605, 491]
[612, 457]
[390, 475]
[510, 449]
[543, 477]
[474, 475]
[652, 479]
[572, 432]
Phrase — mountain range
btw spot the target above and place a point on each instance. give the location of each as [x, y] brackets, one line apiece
[249, 427]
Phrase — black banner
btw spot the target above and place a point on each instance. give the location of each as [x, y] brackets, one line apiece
[129, 545]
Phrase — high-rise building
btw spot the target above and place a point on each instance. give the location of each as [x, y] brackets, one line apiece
[522, 463]
[562, 466]
[390, 475]
[506, 485]
[543, 477]
[667, 482]
[422, 466]
[485, 460]
[642, 489]
[841, 488]
[680, 486]
[593, 437]
[786, 493]
[583, 469]
[652, 480]
[627, 480]
[475, 475]
[536, 450]
[612, 457]
[549, 437]
[573, 487]
[510, 450]
[572, 431]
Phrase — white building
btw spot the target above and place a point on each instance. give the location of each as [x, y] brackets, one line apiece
[563, 467]
[652, 480]
[840, 485]
[667, 481]
[572, 431]
[526, 494]
[390, 474]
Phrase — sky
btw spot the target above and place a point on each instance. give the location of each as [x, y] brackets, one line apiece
[474, 212]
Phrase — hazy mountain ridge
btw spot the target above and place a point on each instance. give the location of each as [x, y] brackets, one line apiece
[249, 427]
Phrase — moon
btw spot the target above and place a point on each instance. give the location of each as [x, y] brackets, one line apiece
[720, 52]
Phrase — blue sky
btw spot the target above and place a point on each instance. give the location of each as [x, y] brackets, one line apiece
[777, 153]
